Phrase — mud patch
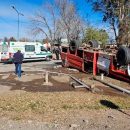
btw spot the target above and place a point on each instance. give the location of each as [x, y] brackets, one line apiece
[35, 82]
[108, 91]
[61, 78]
[29, 77]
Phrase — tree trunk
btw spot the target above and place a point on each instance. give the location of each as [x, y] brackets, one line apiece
[123, 26]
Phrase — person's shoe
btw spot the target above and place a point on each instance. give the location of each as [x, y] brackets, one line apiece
[19, 76]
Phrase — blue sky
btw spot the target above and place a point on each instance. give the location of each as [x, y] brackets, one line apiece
[8, 17]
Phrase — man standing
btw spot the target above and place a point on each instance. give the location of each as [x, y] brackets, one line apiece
[57, 51]
[18, 58]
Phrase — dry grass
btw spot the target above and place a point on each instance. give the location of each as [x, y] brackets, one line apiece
[50, 103]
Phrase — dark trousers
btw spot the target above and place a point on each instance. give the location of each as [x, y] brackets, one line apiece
[57, 54]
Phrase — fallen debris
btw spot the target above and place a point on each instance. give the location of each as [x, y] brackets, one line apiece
[113, 86]
[82, 84]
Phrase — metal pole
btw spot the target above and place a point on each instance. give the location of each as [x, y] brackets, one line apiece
[46, 77]
[18, 28]
[18, 20]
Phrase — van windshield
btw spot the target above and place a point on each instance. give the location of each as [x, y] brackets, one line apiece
[43, 48]
[4, 48]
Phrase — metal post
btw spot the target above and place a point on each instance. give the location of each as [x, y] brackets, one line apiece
[46, 77]
[18, 28]
[102, 76]
[18, 20]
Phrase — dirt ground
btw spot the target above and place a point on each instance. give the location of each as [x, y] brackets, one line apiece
[34, 82]
[65, 107]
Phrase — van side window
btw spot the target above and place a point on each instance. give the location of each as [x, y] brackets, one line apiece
[29, 48]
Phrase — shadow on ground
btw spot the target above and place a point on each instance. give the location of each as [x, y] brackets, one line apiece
[112, 105]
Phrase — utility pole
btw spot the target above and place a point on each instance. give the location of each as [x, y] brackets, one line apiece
[18, 20]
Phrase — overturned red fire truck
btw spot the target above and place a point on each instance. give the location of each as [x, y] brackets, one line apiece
[99, 61]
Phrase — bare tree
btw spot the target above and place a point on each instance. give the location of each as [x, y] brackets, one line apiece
[61, 20]
[41, 24]
[12, 39]
[5, 39]
[70, 22]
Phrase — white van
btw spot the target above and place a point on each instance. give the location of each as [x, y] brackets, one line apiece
[30, 50]
[4, 54]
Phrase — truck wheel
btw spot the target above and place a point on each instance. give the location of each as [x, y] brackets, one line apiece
[94, 43]
[123, 55]
[73, 45]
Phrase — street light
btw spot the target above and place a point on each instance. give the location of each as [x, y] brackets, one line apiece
[18, 19]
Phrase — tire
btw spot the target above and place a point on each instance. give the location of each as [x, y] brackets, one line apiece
[73, 45]
[123, 55]
[94, 43]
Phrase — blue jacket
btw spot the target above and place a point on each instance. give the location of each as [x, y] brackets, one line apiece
[18, 57]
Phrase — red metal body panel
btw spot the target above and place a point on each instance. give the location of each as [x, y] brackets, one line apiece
[91, 57]
[95, 69]
[75, 61]
[119, 73]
